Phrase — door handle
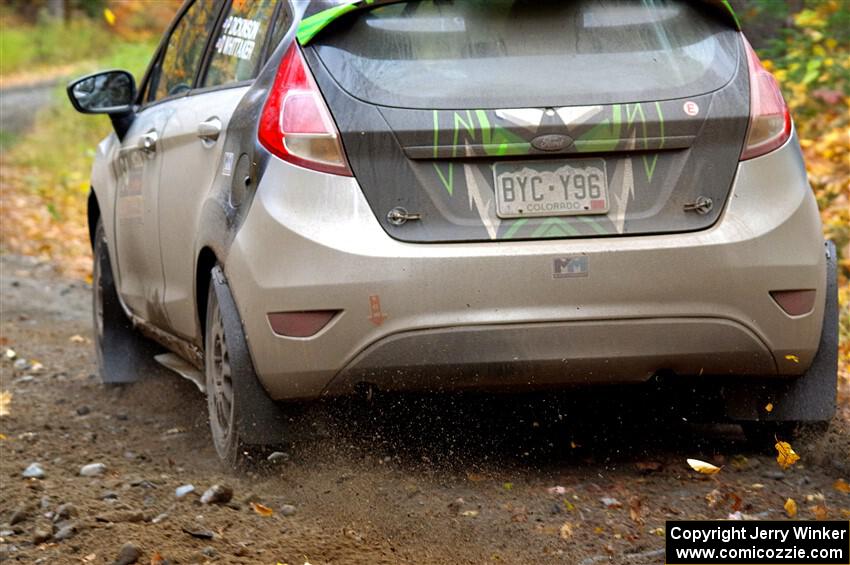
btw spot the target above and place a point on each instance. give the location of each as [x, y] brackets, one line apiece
[209, 129]
[147, 143]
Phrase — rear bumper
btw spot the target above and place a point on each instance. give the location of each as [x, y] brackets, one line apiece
[535, 356]
[488, 315]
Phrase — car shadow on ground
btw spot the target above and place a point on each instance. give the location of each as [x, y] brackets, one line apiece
[542, 431]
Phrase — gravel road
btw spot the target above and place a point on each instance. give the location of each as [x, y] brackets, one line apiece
[19, 104]
[415, 480]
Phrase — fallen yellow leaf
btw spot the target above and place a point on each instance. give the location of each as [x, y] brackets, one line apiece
[793, 358]
[261, 509]
[566, 531]
[791, 507]
[5, 401]
[109, 16]
[841, 485]
[769, 407]
[820, 512]
[703, 467]
[786, 456]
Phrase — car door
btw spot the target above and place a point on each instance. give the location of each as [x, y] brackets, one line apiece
[192, 145]
[139, 162]
[137, 168]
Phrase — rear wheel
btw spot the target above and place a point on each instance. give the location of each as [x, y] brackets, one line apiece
[244, 421]
[123, 354]
[219, 383]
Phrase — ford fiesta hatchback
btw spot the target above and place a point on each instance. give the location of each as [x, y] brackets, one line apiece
[308, 199]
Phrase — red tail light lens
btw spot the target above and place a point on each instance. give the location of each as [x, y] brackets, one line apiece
[770, 122]
[296, 124]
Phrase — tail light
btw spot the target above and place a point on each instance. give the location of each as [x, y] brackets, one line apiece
[770, 122]
[296, 124]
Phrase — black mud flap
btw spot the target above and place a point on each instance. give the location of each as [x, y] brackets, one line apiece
[259, 419]
[809, 398]
[124, 355]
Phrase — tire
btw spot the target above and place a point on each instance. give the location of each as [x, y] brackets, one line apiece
[123, 354]
[245, 423]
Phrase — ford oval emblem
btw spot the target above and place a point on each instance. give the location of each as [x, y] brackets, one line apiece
[551, 142]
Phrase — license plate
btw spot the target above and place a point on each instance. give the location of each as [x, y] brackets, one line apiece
[551, 188]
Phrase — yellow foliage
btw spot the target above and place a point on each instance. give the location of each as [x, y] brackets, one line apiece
[790, 507]
[785, 454]
[703, 467]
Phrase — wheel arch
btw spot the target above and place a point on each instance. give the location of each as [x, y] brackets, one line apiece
[93, 214]
[207, 259]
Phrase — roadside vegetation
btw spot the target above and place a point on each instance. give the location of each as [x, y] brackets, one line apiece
[806, 44]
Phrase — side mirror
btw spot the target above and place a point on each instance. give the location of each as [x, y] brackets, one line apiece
[106, 92]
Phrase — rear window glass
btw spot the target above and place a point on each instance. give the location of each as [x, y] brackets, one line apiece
[518, 53]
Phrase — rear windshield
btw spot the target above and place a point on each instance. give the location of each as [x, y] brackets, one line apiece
[445, 54]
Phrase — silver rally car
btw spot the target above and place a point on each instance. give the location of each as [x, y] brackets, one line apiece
[311, 199]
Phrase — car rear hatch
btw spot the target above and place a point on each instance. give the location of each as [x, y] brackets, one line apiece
[468, 120]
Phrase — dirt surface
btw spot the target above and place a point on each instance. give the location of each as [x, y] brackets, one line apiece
[446, 480]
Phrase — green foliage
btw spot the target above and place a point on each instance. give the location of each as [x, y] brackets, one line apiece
[51, 43]
[72, 136]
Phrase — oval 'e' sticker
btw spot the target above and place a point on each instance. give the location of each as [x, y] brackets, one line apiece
[691, 108]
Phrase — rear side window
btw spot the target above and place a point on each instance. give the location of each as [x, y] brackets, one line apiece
[281, 26]
[186, 49]
[239, 45]
[520, 53]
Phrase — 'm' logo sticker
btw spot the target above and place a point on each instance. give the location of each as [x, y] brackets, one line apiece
[569, 267]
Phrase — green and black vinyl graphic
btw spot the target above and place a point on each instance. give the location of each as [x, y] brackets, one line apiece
[650, 160]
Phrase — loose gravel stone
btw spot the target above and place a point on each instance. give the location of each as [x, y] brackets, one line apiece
[183, 490]
[198, 532]
[92, 470]
[287, 510]
[217, 494]
[83, 411]
[33, 471]
[41, 535]
[18, 516]
[129, 554]
[66, 511]
[65, 532]
[121, 516]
